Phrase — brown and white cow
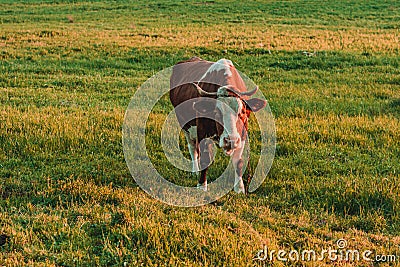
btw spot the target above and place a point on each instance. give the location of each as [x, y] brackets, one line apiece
[196, 81]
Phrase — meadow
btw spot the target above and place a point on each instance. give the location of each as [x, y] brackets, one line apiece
[68, 69]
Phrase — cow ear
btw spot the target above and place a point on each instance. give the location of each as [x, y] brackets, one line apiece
[203, 106]
[255, 104]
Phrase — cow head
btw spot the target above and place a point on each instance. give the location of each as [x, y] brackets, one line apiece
[233, 111]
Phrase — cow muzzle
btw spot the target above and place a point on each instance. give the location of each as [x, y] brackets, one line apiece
[230, 144]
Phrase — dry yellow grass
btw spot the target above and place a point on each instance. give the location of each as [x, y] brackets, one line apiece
[271, 37]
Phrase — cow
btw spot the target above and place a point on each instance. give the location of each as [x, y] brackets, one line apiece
[197, 81]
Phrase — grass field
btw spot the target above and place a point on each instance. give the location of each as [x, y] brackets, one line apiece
[330, 71]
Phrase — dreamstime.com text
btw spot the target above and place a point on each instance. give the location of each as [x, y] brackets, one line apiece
[338, 253]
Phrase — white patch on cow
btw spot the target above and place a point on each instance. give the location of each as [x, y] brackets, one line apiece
[237, 155]
[193, 133]
[229, 108]
[222, 64]
[191, 138]
[195, 158]
[223, 91]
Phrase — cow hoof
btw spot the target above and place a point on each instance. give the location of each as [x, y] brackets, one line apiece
[239, 188]
[202, 187]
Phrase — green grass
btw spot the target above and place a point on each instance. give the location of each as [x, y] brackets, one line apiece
[68, 71]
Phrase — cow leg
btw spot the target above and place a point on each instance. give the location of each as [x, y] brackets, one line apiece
[202, 184]
[238, 166]
[194, 154]
[193, 146]
[205, 160]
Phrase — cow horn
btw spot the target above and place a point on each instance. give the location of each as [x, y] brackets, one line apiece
[249, 93]
[244, 93]
[202, 92]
